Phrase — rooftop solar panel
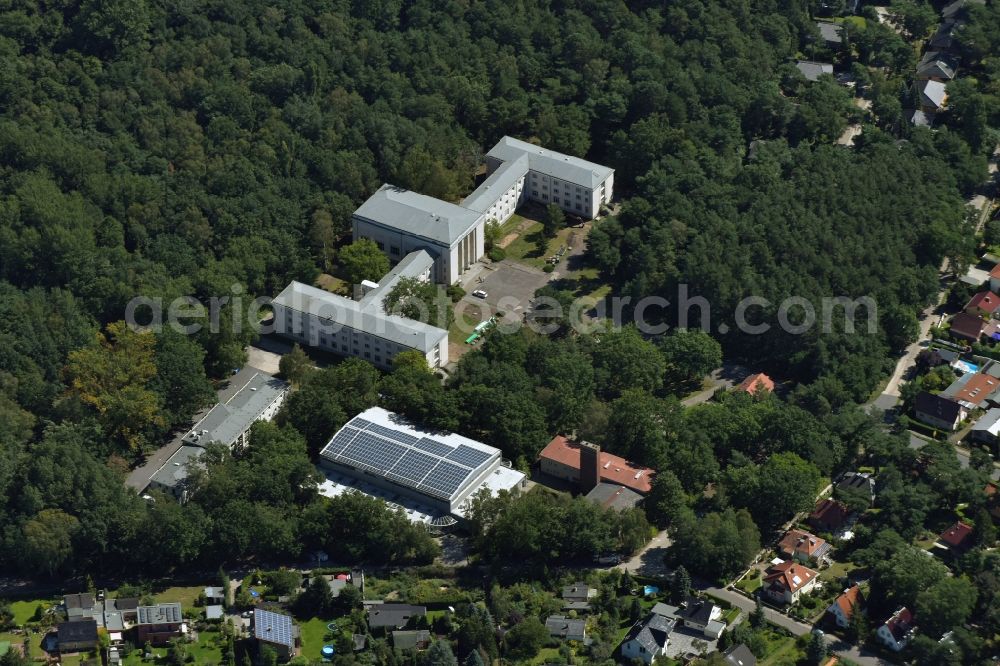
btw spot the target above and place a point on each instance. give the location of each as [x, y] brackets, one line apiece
[412, 468]
[444, 479]
[468, 456]
[374, 453]
[273, 627]
[435, 447]
[394, 435]
[340, 440]
[359, 422]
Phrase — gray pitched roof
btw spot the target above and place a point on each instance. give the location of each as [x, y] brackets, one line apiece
[813, 70]
[614, 496]
[990, 422]
[564, 167]
[418, 214]
[952, 9]
[409, 640]
[932, 93]
[225, 422]
[339, 310]
[939, 64]
[168, 613]
[392, 615]
[413, 265]
[830, 32]
[921, 118]
[651, 633]
[76, 631]
[83, 600]
[740, 655]
[578, 591]
[563, 627]
[697, 610]
[499, 181]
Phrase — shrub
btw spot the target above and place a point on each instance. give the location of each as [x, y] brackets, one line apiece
[455, 293]
[496, 254]
[549, 268]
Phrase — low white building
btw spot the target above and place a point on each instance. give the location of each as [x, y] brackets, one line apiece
[429, 473]
[362, 328]
[228, 423]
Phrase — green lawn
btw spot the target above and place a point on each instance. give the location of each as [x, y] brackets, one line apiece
[524, 248]
[749, 584]
[185, 595]
[546, 655]
[836, 571]
[24, 610]
[313, 635]
[207, 650]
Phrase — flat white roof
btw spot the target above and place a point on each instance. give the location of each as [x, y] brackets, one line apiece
[336, 484]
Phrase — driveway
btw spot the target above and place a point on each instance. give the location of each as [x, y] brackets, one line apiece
[650, 560]
[725, 377]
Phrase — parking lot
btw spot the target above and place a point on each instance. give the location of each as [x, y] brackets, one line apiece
[509, 288]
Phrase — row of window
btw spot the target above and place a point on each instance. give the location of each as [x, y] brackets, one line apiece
[555, 183]
[566, 203]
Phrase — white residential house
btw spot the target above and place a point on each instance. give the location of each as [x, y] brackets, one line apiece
[648, 638]
[844, 606]
[784, 583]
[896, 632]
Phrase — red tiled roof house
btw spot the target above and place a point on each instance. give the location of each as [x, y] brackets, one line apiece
[984, 304]
[585, 464]
[803, 546]
[844, 606]
[828, 516]
[784, 583]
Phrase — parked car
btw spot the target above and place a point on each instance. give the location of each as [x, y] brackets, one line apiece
[480, 293]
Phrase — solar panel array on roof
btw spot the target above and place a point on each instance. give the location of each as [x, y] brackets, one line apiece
[468, 456]
[422, 463]
[273, 628]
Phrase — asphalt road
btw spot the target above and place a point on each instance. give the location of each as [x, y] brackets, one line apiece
[796, 628]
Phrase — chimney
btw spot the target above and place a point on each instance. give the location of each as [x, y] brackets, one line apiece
[590, 466]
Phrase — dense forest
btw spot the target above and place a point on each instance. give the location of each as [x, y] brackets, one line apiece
[173, 148]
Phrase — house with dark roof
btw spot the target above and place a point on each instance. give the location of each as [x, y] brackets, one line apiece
[895, 633]
[844, 606]
[411, 639]
[802, 546]
[78, 635]
[578, 591]
[702, 615]
[828, 516]
[937, 66]
[856, 484]
[954, 9]
[614, 496]
[931, 95]
[277, 631]
[813, 70]
[565, 628]
[957, 538]
[739, 655]
[966, 327]
[79, 605]
[831, 33]
[158, 624]
[938, 411]
[648, 638]
[784, 583]
[393, 616]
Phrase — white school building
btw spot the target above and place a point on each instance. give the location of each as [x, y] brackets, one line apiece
[400, 221]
